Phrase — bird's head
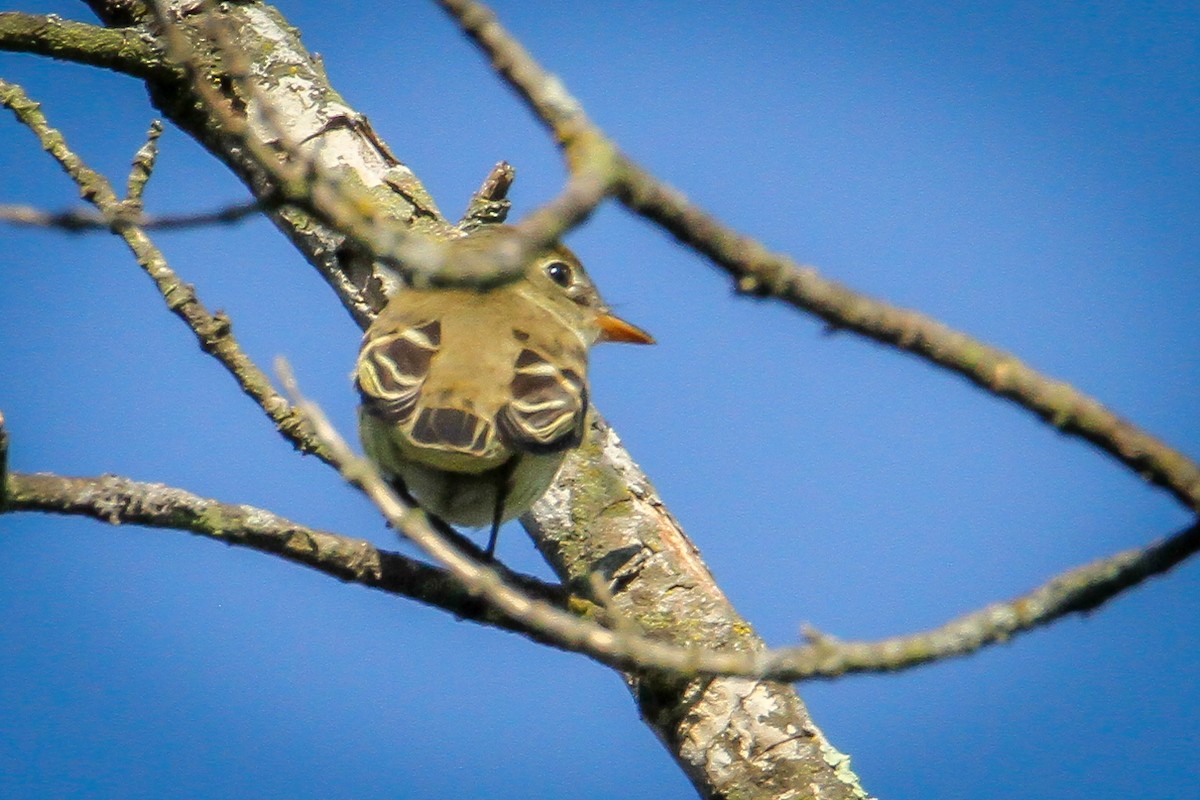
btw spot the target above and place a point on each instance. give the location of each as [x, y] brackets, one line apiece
[557, 277]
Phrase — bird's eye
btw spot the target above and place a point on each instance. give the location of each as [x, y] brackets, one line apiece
[559, 272]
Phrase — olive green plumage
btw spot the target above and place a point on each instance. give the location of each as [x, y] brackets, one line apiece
[472, 399]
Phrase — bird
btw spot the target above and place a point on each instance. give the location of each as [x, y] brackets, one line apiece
[471, 399]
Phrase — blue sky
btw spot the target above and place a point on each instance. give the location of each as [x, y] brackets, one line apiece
[1028, 174]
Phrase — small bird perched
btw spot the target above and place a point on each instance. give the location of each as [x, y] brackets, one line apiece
[471, 399]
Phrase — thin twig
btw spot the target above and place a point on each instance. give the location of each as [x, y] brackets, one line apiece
[1057, 403]
[757, 271]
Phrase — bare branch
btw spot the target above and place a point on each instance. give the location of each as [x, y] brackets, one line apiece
[594, 162]
[117, 500]
[759, 272]
[213, 331]
[120, 50]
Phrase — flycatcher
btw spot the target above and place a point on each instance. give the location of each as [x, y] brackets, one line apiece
[471, 399]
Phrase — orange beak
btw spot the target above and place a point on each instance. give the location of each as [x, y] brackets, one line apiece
[615, 329]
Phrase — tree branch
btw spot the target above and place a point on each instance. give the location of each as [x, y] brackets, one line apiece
[1059, 404]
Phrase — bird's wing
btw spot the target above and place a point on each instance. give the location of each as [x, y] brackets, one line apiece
[393, 366]
[392, 371]
[548, 405]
